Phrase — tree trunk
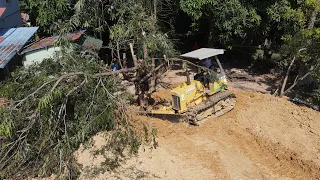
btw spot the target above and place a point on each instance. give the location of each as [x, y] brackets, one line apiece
[188, 75]
[310, 26]
[165, 59]
[134, 58]
[155, 9]
[124, 58]
[116, 72]
[153, 77]
[287, 76]
[145, 52]
[118, 54]
[313, 17]
[112, 53]
[296, 82]
[266, 49]
[137, 75]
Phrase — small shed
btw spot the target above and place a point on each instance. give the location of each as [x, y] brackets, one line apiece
[44, 48]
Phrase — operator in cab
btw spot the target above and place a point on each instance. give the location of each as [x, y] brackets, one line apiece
[203, 77]
[207, 63]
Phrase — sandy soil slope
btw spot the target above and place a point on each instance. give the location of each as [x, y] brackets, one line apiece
[262, 138]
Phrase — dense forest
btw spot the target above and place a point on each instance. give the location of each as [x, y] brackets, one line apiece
[66, 101]
[266, 35]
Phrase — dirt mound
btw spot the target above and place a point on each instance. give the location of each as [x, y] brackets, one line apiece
[290, 132]
[262, 138]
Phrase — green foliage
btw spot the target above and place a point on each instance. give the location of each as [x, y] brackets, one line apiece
[54, 107]
[229, 19]
[236, 22]
[50, 98]
[272, 32]
[304, 46]
[305, 43]
[134, 24]
[46, 13]
[6, 126]
[195, 7]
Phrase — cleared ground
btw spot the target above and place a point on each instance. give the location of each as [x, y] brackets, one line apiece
[262, 138]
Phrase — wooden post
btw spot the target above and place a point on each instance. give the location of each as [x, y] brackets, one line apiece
[187, 74]
[153, 77]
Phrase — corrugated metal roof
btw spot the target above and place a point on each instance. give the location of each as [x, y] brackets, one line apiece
[203, 53]
[12, 40]
[46, 42]
[2, 10]
[92, 43]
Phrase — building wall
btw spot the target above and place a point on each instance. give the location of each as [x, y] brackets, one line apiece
[12, 16]
[38, 56]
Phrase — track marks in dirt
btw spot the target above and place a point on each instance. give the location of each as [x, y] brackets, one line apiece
[262, 138]
[288, 131]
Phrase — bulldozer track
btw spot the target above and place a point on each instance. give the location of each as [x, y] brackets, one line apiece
[217, 105]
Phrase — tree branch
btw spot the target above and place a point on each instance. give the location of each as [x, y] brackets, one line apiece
[43, 85]
[64, 76]
[288, 72]
[296, 82]
[115, 72]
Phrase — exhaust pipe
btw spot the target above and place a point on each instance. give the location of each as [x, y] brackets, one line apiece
[188, 77]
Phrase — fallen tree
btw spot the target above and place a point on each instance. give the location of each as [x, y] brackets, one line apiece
[54, 107]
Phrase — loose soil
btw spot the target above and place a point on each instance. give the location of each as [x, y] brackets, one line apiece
[263, 137]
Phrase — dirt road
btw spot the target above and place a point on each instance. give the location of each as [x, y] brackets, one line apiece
[262, 138]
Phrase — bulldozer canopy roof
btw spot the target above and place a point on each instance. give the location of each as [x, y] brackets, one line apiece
[203, 53]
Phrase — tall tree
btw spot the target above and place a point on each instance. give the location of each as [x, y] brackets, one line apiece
[228, 19]
[300, 48]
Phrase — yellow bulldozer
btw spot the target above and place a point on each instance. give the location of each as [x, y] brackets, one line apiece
[200, 98]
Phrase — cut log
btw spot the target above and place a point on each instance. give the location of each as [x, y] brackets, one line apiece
[115, 72]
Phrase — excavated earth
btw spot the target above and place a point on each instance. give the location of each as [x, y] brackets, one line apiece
[263, 137]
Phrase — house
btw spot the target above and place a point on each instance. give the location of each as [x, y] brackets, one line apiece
[10, 15]
[12, 36]
[11, 42]
[44, 48]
